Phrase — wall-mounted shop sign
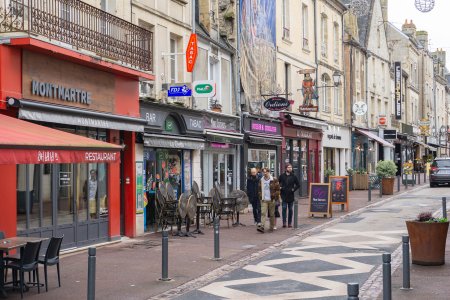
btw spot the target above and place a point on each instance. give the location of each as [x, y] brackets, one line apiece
[382, 120]
[398, 89]
[264, 127]
[276, 103]
[204, 88]
[359, 108]
[390, 134]
[309, 92]
[180, 90]
[51, 90]
[194, 123]
[220, 123]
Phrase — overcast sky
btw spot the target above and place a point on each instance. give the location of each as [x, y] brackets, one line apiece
[436, 22]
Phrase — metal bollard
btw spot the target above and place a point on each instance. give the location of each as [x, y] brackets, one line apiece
[425, 176]
[353, 291]
[398, 183]
[91, 274]
[406, 270]
[444, 207]
[418, 176]
[370, 192]
[413, 178]
[381, 188]
[216, 239]
[406, 181]
[387, 283]
[295, 214]
[165, 256]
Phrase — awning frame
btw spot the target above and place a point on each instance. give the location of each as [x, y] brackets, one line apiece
[375, 137]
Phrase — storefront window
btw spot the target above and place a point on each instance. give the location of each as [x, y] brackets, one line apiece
[230, 173]
[261, 158]
[82, 191]
[103, 190]
[92, 190]
[219, 171]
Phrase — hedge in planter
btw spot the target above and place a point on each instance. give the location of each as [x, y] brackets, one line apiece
[428, 237]
[386, 170]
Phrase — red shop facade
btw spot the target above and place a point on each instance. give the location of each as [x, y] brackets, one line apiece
[69, 164]
[302, 148]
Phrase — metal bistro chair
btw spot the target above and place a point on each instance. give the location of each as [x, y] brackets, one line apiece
[28, 262]
[168, 214]
[204, 207]
[224, 206]
[51, 258]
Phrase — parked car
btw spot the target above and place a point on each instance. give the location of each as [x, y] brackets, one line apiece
[440, 171]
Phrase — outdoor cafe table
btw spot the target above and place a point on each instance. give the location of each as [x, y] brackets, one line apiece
[9, 244]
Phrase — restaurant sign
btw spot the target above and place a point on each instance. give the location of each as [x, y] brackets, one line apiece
[276, 103]
[69, 94]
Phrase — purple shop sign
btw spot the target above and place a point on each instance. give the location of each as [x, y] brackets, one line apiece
[265, 127]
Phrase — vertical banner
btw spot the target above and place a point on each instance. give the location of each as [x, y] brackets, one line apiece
[398, 90]
[139, 187]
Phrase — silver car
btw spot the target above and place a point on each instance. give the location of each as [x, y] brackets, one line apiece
[440, 171]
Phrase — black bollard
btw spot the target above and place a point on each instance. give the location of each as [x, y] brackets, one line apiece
[216, 239]
[370, 192]
[406, 271]
[413, 178]
[165, 257]
[398, 183]
[387, 283]
[425, 176]
[352, 291]
[444, 207]
[406, 181]
[418, 176]
[91, 274]
[295, 214]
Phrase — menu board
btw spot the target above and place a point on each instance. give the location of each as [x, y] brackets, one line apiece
[339, 190]
[319, 200]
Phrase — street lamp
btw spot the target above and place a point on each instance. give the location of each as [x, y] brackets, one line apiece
[336, 78]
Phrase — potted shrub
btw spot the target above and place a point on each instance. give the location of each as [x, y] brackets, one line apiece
[350, 173]
[428, 236]
[327, 173]
[386, 170]
[361, 180]
[217, 107]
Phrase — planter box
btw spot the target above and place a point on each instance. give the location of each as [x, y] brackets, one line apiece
[388, 186]
[361, 181]
[427, 242]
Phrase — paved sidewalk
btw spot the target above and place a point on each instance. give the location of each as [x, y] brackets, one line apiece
[130, 269]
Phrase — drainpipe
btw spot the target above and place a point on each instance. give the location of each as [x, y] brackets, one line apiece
[367, 87]
[315, 39]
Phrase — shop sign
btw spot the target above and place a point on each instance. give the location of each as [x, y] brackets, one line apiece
[194, 123]
[359, 108]
[30, 156]
[140, 187]
[276, 103]
[65, 179]
[382, 120]
[220, 123]
[398, 89]
[390, 134]
[51, 90]
[173, 144]
[306, 134]
[309, 92]
[264, 127]
[191, 52]
[309, 108]
[220, 146]
[169, 125]
[408, 129]
[204, 88]
[180, 90]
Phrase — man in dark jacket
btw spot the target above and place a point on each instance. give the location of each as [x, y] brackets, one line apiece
[252, 193]
[289, 184]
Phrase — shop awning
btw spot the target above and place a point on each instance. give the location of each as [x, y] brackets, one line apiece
[44, 112]
[308, 122]
[375, 137]
[426, 146]
[173, 142]
[23, 142]
[216, 136]
[433, 147]
[264, 139]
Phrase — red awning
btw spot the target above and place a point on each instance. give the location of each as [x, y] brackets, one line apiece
[22, 142]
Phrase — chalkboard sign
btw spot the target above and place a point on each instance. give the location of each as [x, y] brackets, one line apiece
[339, 190]
[319, 200]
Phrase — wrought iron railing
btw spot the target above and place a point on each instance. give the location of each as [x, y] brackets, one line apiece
[82, 26]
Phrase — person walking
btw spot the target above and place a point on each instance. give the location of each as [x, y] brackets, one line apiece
[252, 193]
[289, 184]
[268, 193]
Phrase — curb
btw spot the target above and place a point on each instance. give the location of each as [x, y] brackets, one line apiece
[225, 269]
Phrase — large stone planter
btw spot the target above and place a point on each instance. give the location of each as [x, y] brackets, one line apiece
[427, 242]
[388, 186]
[361, 181]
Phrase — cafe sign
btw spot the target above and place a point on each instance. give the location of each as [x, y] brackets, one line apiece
[204, 88]
[64, 93]
[276, 103]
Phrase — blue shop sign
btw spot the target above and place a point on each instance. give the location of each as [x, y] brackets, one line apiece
[184, 90]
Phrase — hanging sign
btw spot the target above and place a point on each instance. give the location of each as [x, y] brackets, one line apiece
[204, 88]
[180, 90]
[276, 103]
[319, 200]
[191, 52]
[359, 108]
[339, 190]
[382, 121]
[398, 90]
[309, 92]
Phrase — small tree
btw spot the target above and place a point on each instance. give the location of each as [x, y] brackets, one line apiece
[386, 169]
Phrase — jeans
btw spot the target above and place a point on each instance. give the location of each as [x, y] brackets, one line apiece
[289, 206]
[256, 205]
[268, 206]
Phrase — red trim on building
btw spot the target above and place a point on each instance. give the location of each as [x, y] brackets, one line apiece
[84, 59]
[129, 162]
[8, 203]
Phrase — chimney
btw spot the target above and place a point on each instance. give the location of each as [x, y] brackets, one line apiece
[422, 38]
[384, 9]
[409, 29]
